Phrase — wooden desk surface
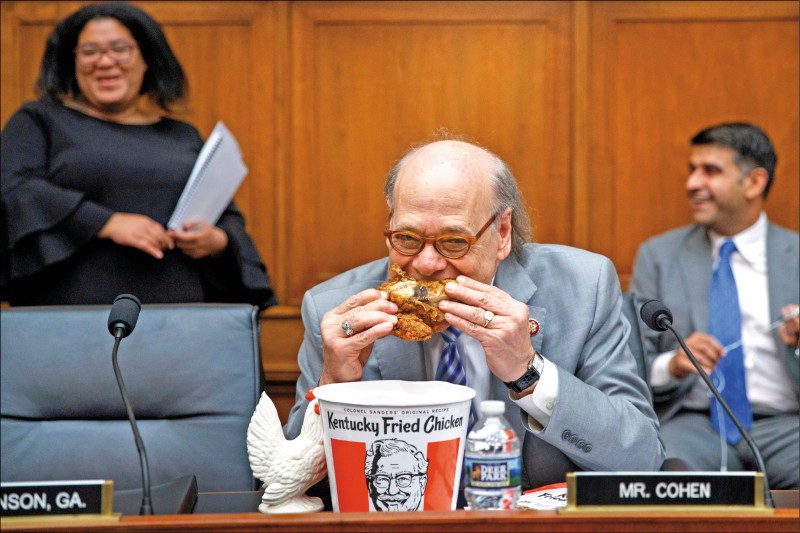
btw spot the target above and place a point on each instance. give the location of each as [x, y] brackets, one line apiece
[779, 520]
[440, 521]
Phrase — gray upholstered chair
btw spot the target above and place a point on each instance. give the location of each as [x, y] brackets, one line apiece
[193, 373]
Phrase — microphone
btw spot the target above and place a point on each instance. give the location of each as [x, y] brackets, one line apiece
[124, 314]
[658, 317]
[121, 321]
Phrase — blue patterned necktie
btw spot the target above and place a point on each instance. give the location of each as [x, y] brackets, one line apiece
[725, 324]
[451, 368]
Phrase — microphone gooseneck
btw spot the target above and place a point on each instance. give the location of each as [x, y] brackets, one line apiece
[121, 321]
[658, 317]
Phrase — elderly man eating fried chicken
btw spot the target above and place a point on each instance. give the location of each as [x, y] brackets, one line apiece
[537, 326]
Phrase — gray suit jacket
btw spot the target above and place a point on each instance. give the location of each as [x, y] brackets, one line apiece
[575, 295]
[675, 268]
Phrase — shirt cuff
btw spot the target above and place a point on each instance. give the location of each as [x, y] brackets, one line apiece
[660, 378]
[538, 406]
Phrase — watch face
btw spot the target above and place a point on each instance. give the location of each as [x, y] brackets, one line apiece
[531, 375]
[529, 378]
[527, 381]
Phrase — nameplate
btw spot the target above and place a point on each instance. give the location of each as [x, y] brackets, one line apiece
[44, 498]
[665, 490]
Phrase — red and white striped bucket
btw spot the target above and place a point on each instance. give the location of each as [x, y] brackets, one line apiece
[394, 445]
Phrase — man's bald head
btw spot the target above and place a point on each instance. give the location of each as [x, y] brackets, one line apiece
[469, 160]
[466, 164]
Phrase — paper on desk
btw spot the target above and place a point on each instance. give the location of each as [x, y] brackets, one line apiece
[547, 498]
[217, 173]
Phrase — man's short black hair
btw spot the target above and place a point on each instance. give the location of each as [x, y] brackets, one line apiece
[749, 142]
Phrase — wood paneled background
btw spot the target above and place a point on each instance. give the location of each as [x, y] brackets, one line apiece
[592, 105]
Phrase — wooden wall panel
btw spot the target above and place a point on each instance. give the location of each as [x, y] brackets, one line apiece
[25, 27]
[660, 72]
[371, 79]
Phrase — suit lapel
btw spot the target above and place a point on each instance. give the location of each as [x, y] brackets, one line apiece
[400, 359]
[782, 288]
[512, 278]
[779, 282]
[695, 268]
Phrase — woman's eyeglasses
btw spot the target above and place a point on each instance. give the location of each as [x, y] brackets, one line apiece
[121, 52]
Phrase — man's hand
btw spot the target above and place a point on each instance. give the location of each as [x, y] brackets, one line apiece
[200, 239]
[137, 231]
[349, 332]
[505, 338]
[789, 331]
[706, 349]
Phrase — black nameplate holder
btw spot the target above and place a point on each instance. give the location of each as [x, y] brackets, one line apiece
[665, 491]
[85, 498]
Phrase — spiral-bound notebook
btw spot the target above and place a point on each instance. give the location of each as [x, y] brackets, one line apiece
[217, 173]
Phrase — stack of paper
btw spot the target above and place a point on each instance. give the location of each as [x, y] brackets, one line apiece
[217, 173]
[547, 498]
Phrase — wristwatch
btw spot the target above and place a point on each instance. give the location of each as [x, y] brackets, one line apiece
[531, 375]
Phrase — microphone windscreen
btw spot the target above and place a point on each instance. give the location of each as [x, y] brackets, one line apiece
[125, 313]
[652, 311]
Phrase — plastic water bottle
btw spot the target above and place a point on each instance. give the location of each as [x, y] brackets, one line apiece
[492, 461]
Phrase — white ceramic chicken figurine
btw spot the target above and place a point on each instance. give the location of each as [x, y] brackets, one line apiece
[287, 468]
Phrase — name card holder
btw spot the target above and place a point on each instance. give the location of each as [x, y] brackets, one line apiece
[36, 501]
[665, 491]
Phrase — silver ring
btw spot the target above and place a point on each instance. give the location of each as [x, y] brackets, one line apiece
[347, 329]
[487, 317]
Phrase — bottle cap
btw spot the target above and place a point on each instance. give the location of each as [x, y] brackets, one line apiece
[492, 407]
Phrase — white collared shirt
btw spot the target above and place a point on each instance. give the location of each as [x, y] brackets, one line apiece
[539, 405]
[768, 384]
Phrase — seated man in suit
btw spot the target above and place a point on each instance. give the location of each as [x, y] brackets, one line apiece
[729, 280]
[540, 325]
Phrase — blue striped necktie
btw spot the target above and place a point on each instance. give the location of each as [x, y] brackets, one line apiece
[451, 368]
[725, 324]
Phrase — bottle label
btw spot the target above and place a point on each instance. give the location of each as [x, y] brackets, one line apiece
[484, 472]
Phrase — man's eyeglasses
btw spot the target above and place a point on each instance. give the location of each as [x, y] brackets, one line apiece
[121, 52]
[451, 246]
[381, 481]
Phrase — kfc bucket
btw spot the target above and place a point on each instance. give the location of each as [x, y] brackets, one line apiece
[394, 445]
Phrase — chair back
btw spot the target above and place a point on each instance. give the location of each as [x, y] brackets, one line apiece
[193, 374]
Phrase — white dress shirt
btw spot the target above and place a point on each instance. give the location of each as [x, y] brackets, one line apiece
[769, 387]
[539, 405]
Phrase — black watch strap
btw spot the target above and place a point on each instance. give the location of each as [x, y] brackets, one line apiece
[531, 375]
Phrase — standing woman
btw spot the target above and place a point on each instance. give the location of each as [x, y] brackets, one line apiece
[90, 178]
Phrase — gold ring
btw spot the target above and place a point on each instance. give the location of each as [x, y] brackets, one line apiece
[487, 317]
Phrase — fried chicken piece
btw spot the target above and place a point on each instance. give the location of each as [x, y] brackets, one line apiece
[418, 317]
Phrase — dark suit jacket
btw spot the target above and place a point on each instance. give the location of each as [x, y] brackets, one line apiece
[575, 296]
[676, 268]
